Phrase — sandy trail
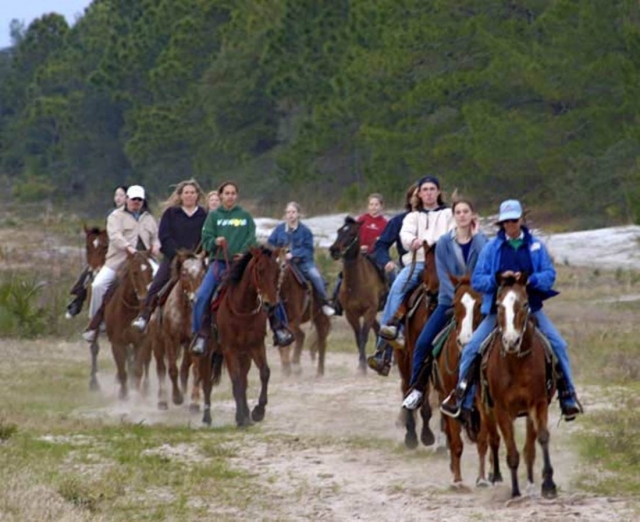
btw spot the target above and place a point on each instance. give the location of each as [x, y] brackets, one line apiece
[329, 450]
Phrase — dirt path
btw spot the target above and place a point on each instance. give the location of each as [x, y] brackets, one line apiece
[329, 450]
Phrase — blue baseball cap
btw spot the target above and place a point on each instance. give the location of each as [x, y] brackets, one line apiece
[510, 209]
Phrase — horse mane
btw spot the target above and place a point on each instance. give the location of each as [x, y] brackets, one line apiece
[238, 268]
[349, 220]
[181, 256]
[95, 230]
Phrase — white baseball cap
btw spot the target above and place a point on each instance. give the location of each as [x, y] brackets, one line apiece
[135, 191]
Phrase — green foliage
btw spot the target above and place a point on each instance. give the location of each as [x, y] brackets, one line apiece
[501, 99]
[20, 313]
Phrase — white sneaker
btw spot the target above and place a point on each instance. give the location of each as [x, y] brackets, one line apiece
[328, 310]
[389, 331]
[89, 335]
[413, 400]
[140, 323]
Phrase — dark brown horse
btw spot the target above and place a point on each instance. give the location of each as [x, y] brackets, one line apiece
[241, 321]
[96, 246]
[169, 331]
[302, 305]
[516, 376]
[124, 305]
[362, 287]
[423, 301]
[466, 318]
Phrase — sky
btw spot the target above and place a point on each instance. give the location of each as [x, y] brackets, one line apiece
[28, 10]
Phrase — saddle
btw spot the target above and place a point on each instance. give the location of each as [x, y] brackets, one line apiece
[416, 297]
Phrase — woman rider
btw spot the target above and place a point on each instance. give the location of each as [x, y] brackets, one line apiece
[512, 252]
[227, 234]
[430, 220]
[456, 253]
[180, 228]
[299, 239]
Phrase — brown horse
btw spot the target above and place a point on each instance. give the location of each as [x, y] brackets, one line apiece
[96, 246]
[424, 300]
[133, 281]
[302, 306]
[241, 321]
[170, 329]
[362, 287]
[516, 377]
[466, 318]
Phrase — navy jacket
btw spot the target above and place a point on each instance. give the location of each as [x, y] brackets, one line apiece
[178, 230]
[389, 236]
[299, 241]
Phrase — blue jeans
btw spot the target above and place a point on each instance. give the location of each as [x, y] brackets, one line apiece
[205, 292]
[558, 345]
[311, 272]
[397, 292]
[437, 321]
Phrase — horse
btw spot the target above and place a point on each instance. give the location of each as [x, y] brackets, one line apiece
[302, 305]
[240, 331]
[517, 383]
[134, 279]
[169, 329]
[466, 318]
[96, 246]
[363, 288]
[423, 301]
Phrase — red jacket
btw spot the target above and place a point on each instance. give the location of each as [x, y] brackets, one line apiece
[371, 229]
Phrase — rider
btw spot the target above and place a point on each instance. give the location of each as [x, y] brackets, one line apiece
[372, 223]
[130, 228]
[299, 239]
[512, 252]
[227, 234]
[456, 253]
[429, 220]
[180, 228]
[213, 200]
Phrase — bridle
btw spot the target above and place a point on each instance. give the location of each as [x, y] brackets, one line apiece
[517, 349]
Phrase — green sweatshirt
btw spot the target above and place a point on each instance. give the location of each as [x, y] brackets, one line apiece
[235, 225]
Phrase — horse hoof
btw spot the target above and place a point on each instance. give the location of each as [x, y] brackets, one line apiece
[549, 491]
[123, 395]
[163, 406]
[296, 369]
[411, 441]
[178, 399]
[94, 385]
[493, 478]
[194, 408]
[286, 370]
[206, 418]
[482, 483]
[257, 414]
[427, 437]
[244, 423]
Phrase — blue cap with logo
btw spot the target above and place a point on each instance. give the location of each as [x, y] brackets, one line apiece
[510, 209]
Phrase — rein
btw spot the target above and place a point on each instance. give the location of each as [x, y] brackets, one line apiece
[517, 351]
[259, 297]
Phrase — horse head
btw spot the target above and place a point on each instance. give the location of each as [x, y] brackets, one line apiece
[263, 269]
[513, 311]
[466, 308]
[429, 274]
[96, 246]
[140, 273]
[188, 269]
[347, 244]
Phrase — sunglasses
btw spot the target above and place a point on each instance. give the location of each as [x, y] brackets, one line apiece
[136, 199]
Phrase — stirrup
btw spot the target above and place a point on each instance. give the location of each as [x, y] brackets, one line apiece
[449, 410]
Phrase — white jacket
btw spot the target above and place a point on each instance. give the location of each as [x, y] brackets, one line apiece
[425, 226]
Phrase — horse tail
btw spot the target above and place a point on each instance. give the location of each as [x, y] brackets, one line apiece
[216, 366]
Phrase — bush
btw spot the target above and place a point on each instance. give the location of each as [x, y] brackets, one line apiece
[20, 314]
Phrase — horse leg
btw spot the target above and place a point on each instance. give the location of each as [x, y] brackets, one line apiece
[176, 393]
[238, 371]
[530, 453]
[322, 325]
[410, 437]
[452, 428]
[119, 352]
[548, 486]
[368, 320]
[482, 448]
[354, 322]
[513, 457]
[161, 371]
[285, 359]
[426, 436]
[260, 358]
[204, 363]
[297, 350]
[94, 385]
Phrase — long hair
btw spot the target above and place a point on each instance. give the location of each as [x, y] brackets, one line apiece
[416, 202]
[174, 200]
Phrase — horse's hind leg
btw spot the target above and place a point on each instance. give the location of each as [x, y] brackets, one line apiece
[548, 486]
[119, 352]
[260, 358]
[94, 385]
[426, 436]
[323, 325]
[297, 350]
[530, 454]
[176, 393]
[204, 362]
[455, 446]
[161, 370]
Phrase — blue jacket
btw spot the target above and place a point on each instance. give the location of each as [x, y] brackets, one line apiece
[299, 241]
[389, 236]
[449, 260]
[540, 281]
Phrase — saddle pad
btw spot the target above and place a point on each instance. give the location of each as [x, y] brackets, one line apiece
[442, 337]
[217, 298]
[297, 274]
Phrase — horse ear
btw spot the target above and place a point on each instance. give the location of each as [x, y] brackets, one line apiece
[255, 251]
[523, 278]
[85, 228]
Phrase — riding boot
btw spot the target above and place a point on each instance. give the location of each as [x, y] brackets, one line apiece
[335, 300]
[380, 362]
[282, 336]
[413, 399]
[452, 405]
[569, 404]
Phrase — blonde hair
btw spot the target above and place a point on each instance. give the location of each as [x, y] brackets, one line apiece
[174, 200]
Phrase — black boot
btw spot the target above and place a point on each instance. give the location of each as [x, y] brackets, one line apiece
[451, 406]
[335, 301]
[380, 362]
[569, 404]
[282, 336]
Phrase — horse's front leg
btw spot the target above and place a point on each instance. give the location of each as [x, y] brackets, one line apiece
[239, 385]
[119, 352]
[176, 394]
[94, 385]
[368, 321]
[505, 422]
[161, 371]
[530, 453]
[260, 358]
[354, 321]
[297, 350]
[454, 437]
[549, 489]
[204, 362]
[426, 435]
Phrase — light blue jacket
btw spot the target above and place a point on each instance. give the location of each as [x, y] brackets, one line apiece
[449, 260]
[540, 281]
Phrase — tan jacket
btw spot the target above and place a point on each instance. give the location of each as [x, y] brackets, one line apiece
[424, 226]
[123, 231]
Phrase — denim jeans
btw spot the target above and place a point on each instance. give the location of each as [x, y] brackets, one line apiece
[424, 345]
[311, 272]
[401, 284]
[205, 292]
